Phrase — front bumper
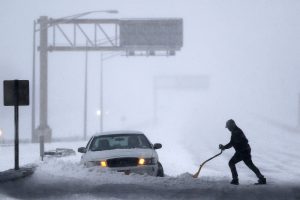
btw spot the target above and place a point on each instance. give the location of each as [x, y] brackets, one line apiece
[144, 169]
[140, 169]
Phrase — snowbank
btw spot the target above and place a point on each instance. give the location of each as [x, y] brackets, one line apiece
[67, 179]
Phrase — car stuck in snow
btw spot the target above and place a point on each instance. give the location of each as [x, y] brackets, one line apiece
[123, 151]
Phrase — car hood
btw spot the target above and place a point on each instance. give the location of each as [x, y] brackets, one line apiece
[118, 153]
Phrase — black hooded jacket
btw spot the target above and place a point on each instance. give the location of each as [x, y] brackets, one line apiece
[238, 140]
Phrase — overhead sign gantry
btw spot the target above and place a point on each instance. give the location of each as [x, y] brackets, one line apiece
[134, 37]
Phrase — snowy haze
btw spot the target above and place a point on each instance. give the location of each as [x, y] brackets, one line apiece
[240, 60]
[248, 50]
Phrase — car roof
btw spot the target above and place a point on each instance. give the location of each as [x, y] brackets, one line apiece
[118, 132]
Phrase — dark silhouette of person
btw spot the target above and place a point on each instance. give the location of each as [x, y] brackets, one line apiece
[242, 152]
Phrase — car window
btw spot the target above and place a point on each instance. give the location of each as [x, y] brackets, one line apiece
[120, 141]
[89, 143]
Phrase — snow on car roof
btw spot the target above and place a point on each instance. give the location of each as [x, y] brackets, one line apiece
[118, 132]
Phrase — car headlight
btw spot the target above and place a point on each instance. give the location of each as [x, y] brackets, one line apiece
[147, 161]
[103, 163]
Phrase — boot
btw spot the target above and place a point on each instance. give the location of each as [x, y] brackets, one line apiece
[261, 181]
[234, 181]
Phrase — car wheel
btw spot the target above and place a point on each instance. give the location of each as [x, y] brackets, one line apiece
[160, 171]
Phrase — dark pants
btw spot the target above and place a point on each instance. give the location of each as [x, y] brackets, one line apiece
[246, 157]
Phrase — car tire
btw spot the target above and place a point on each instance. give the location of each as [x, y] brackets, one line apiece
[160, 171]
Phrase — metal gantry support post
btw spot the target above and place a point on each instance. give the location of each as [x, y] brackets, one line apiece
[33, 139]
[43, 129]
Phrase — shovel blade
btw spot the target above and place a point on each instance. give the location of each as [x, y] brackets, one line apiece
[196, 175]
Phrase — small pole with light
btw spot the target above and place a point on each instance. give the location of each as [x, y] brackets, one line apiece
[1, 136]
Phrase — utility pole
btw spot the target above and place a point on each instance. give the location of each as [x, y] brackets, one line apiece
[299, 110]
[85, 95]
[101, 93]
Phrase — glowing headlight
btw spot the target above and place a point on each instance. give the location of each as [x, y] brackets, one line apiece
[146, 161]
[103, 163]
[142, 161]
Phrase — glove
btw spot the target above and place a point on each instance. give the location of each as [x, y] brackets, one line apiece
[221, 146]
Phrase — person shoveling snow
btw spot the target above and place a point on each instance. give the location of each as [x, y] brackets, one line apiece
[243, 152]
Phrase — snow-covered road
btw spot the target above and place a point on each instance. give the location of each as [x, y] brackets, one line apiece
[92, 185]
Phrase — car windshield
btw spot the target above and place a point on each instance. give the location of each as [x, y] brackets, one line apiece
[120, 141]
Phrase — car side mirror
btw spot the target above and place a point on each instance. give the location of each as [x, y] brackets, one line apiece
[82, 150]
[157, 146]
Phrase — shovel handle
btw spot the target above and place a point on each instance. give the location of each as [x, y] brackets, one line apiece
[212, 157]
[197, 173]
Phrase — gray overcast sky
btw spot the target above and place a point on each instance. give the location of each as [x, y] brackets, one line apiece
[249, 49]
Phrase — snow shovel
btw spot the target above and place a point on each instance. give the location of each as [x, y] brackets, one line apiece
[197, 173]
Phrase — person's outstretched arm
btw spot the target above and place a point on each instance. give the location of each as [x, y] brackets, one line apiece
[227, 146]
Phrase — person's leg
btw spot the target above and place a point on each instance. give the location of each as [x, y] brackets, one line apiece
[246, 156]
[248, 161]
[235, 159]
[251, 165]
